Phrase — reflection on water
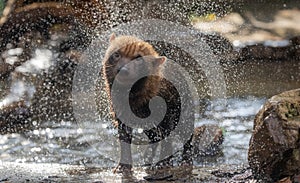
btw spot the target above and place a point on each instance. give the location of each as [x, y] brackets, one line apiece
[70, 144]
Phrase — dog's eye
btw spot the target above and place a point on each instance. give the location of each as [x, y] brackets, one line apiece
[136, 57]
[116, 56]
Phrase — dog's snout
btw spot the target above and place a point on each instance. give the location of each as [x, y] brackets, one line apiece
[123, 71]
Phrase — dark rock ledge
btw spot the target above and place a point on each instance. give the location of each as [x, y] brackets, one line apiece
[274, 151]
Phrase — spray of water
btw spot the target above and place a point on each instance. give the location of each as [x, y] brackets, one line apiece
[88, 73]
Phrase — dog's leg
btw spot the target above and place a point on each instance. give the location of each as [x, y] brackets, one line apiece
[125, 138]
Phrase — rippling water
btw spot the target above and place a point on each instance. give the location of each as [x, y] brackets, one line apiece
[69, 143]
[235, 116]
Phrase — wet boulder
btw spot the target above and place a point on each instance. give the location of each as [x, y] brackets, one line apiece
[207, 140]
[274, 151]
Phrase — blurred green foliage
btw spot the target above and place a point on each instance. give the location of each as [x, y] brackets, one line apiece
[2, 5]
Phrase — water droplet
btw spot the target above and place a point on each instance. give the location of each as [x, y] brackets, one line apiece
[140, 130]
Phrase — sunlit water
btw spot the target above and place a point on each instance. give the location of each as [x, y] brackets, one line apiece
[67, 143]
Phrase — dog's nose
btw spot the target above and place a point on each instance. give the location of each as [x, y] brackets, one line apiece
[123, 71]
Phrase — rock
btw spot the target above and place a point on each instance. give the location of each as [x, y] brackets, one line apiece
[14, 117]
[260, 51]
[296, 46]
[52, 100]
[207, 140]
[274, 151]
[5, 69]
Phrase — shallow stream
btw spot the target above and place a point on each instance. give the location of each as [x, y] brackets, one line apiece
[69, 143]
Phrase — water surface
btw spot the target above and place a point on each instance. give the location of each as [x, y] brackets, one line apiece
[70, 143]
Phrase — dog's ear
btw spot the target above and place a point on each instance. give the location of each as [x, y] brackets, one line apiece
[160, 60]
[112, 37]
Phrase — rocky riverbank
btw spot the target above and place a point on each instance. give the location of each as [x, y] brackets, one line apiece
[20, 172]
[274, 151]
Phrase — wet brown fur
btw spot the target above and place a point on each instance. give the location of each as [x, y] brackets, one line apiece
[131, 47]
[142, 92]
